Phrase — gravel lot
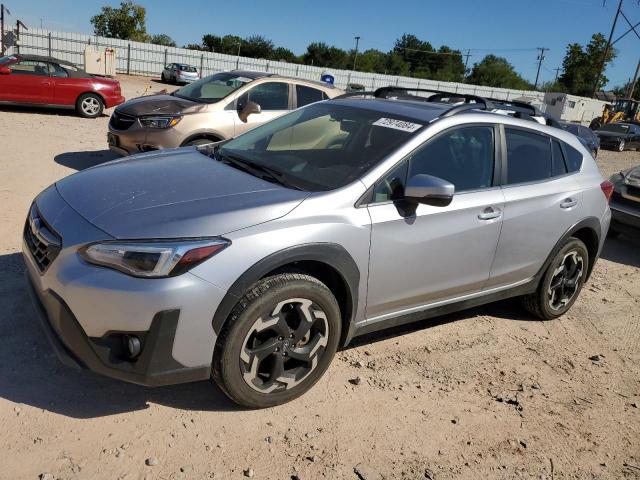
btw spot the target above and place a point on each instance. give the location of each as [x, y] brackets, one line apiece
[486, 393]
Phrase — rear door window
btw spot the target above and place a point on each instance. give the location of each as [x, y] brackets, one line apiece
[307, 95]
[529, 157]
[559, 166]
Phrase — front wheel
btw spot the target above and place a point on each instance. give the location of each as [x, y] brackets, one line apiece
[561, 283]
[278, 341]
[89, 105]
[621, 146]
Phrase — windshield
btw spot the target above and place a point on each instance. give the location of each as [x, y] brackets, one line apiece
[615, 127]
[212, 88]
[323, 146]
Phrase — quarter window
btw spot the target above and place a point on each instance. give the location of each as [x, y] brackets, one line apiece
[307, 95]
[529, 156]
[391, 186]
[573, 158]
[464, 157]
[270, 96]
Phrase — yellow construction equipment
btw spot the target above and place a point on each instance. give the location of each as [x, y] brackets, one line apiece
[624, 110]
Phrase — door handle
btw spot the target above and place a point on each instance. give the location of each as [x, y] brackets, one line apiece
[568, 203]
[490, 213]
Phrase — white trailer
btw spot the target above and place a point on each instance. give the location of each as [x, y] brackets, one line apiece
[572, 108]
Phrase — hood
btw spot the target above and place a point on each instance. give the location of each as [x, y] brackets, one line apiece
[158, 104]
[172, 194]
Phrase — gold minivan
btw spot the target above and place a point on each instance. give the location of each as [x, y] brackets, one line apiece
[215, 108]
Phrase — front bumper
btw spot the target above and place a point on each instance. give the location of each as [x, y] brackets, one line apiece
[137, 139]
[88, 309]
[105, 355]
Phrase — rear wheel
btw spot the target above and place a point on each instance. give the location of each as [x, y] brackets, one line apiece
[621, 146]
[278, 341]
[163, 77]
[89, 105]
[561, 283]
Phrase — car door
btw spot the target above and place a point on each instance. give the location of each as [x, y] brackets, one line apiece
[424, 254]
[274, 99]
[543, 200]
[28, 82]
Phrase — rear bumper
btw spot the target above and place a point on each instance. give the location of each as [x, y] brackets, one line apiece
[105, 355]
[113, 100]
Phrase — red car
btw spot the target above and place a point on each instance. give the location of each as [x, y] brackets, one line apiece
[36, 80]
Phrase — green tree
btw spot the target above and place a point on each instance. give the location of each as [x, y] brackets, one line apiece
[495, 71]
[127, 22]
[282, 54]
[581, 65]
[194, 46]
[257, 46]
[227, 44]
[322, 55]
[371, 60]
[163, 39]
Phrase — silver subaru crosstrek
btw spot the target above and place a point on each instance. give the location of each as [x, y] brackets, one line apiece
[251, 261]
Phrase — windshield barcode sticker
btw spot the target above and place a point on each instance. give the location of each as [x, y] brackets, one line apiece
[397, 124]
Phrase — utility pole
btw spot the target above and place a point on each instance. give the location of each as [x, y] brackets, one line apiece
[2, 28]
[557, 72]
[606, 50]
[632, 87]
[540, 59]
[466, 60]
[238, 59]
[355, 57]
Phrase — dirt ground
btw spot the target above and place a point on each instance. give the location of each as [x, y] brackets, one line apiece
[486, 393]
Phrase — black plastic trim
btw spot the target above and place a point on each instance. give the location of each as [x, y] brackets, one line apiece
[331, 254]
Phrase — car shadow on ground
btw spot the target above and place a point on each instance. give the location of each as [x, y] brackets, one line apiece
[31, 374]
[31, 109]
[624, 250]
[81, 160]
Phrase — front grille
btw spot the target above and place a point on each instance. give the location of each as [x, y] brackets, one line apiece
[121, 121]
[43, 243]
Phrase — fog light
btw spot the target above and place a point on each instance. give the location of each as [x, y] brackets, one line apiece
[133, 345]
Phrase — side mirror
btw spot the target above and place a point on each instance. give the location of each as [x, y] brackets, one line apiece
[429, 190]
[4, 70]
[247, 109]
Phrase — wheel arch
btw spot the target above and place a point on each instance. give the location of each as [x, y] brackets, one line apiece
[328, 262]
[587, 230]
[92, 92]
[213, 136]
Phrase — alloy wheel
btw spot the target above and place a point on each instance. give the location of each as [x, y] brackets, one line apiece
[565, 280]
[282, 350]
[90, 106]
[621, 146]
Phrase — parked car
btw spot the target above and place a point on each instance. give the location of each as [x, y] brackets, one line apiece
[586, 135]
[215, 108]
[619, 136]
[252, 260]
[46, 81]
[625, 203]
[179, 73]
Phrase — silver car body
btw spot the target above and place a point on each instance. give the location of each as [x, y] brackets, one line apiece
[400, 269]
[175, 74]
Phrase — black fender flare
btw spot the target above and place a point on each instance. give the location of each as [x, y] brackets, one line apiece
[591, 223]
[332, 254]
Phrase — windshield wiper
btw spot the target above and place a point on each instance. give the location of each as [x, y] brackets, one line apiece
[256, 169]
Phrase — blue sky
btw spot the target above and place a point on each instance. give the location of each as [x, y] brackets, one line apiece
[509, 28]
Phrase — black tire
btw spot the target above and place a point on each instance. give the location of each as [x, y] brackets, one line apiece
[198, 141]
[89, 105]
[540, 302]
[230, 370]
[163, 78]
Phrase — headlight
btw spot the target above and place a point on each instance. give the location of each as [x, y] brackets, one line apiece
[160, 121]
[153, 259]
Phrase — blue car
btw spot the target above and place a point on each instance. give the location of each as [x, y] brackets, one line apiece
[586, 136]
